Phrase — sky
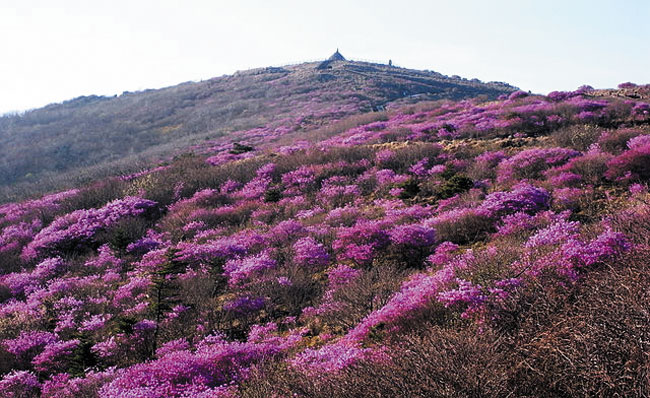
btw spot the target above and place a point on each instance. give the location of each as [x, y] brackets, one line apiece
[54, 50]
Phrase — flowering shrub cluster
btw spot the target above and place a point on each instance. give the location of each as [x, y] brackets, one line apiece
[311, 260]
[79, 227]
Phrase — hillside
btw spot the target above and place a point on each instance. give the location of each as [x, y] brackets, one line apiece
[87, 137]
[474, 248]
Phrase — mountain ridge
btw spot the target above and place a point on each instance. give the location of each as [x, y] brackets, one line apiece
[93, 134]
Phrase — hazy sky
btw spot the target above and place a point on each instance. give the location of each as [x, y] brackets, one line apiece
[59, 49]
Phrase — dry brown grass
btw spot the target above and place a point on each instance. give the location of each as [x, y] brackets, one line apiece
[588, 341]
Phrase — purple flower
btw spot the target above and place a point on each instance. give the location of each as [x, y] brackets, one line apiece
[79, 227]
[384, 156]
[54, 356]
[420, 168]
[19, 383]
[245, 304]
[638, 142]
[531, 163]
[310, 253]
[203, 373]
[239, 270]
[442, 254]
[412, 235]
[523, 198]
[29, 342]
[341, 276]
[106, 348]
[330, 359]
[465, 293]
[360, 242]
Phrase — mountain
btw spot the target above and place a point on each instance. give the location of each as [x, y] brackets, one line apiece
[80, 139]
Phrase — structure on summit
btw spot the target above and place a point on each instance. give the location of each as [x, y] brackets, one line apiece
[327, 64]
[336, 56]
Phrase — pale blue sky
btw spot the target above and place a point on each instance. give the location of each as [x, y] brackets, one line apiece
[56, 50]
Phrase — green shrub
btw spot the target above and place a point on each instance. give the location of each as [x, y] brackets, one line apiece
[458, 183]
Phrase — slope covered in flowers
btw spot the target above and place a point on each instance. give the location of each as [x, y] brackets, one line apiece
[444, 249]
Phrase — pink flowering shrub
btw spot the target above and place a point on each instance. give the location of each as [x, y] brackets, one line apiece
[12, 212]
[330, 359]
[567, 198]
[412, 243]
[286, 231]
[203, 198]
[303, 179]
[55, 355]
[385, 156]
[523, 198]
[360, 242]
[14, 237]
[631, 164]
[19, 384]
[412, 236]
[239, 270]
[244, 305]
[617, 140]
[442, 254]
[211, 252]
[591, 166]
[310, 253]
[415, 295]
[530, 163]
[65, 386]
[517, 95]
[638, 141]
[76, 229]
[189, 373]
[29, 344]
[341, 276]
[335, 192]
[570, 254]
[485, 165]
[641, 111]
[565, 179]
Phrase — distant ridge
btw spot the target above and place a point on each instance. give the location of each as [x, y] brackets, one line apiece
[92, 135]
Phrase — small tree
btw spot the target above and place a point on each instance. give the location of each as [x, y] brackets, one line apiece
[165, 289]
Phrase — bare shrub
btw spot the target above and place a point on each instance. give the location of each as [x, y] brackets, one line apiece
[290, 298]
[466, 228]
[95, 195]
[439, 363]
[634, 223]
[596, 343]
[369, 292]
[578, 137]
[591, 167]
[407, 155]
